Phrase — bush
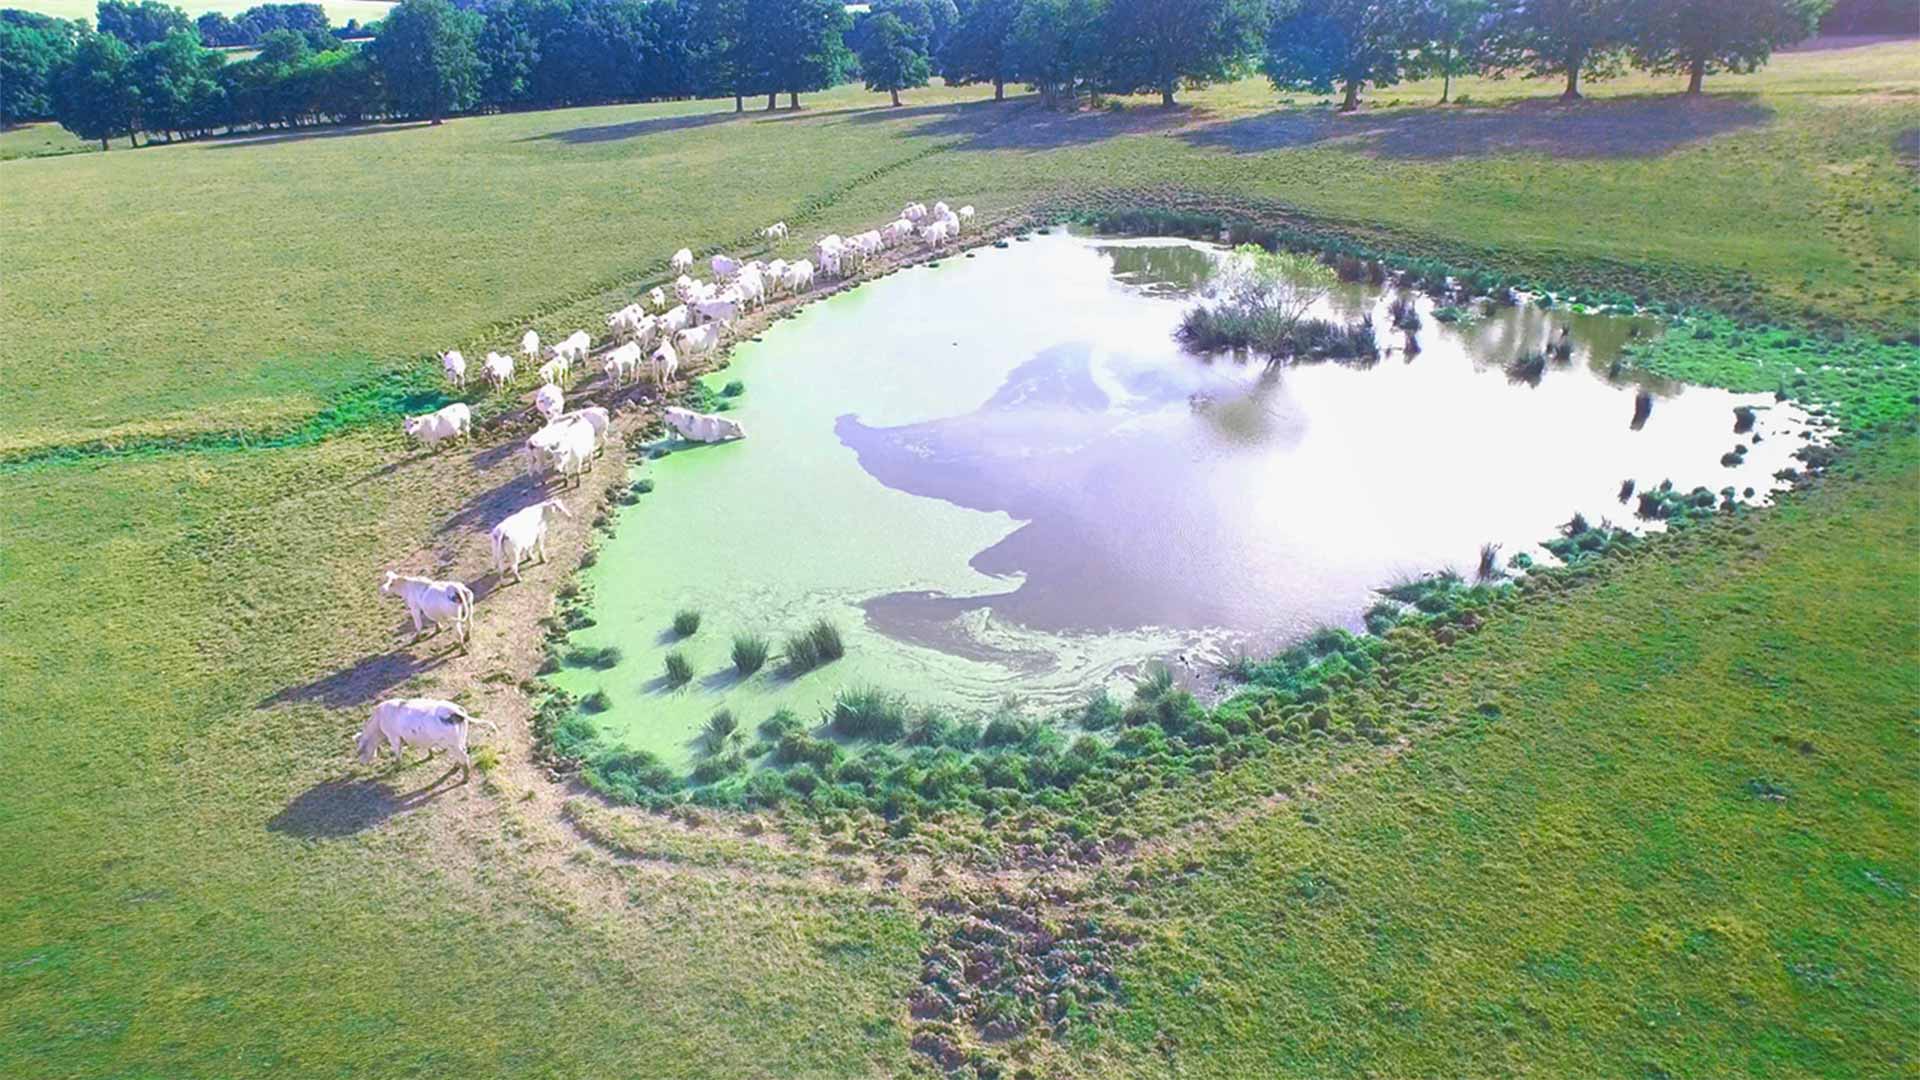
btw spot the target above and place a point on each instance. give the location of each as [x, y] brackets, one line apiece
[865, 712]
[1528, 369]
[800, 748]
[721, 727]
[1006, 731]
[1101, 712]
[938, 730]
[749, 653]
[801, 653]
[826, 639]
[599, 659]
[781, 724]
[1405, 313]
[733, 389]
[686, 622]
[1155, 683]
[679, 669]
[718, 767]
[595, 702]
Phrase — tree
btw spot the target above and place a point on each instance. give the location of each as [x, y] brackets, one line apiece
[140, 24]
[93, 95]
[798, 45]
[980, 49]
[33, 49]
[1056, 47]
[1161, 44]
[1706, 37]
[178, 83]
[724, 53]
[426, 56]
[1337, 43]
[891, 57]
[1558, 38]
[1449, 39]
[215, 28]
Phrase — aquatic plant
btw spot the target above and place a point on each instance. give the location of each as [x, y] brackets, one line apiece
[1405, 313]
[1154, 683]
[686, 622]
[595, 702]
[1743, 417]
[1626, 489]
[1489, 568]
[720, 728]
[750, 653]
[1255, 299]
[826, 640]
[1642, 408]
[866, 712]
[801, 653]
[679, 669]
[600, 658]
[1528, 369]
[733, 389]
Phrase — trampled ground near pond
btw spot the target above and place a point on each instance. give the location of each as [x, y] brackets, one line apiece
[1659, 821]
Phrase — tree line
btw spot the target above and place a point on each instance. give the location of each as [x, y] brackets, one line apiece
[146, 70]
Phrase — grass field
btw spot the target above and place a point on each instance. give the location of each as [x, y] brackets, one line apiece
[1663, 823]
[338, 11]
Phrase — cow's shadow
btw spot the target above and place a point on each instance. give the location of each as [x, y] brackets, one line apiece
[342, 807]
[359, 683]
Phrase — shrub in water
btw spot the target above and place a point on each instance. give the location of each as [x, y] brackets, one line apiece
[600, 659]
[686, 622]
[1405, 313]
[1528, 369]
[864, 712]
[1489, 562]
[721, 727]
[1006, 731]
[1154, 683]
[717, 767]
[749, 653]
[781, 724]
[826, 641]
[800, 748]
[801, 653]
[679, 669]
[595, 702]
[733, 389]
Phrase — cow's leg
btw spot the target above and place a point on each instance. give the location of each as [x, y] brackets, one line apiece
[466, 763]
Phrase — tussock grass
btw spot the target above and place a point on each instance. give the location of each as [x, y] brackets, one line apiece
[686, 622]
[750, 653]
[679, 669]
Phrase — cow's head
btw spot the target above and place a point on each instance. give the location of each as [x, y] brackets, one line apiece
[411, 424]
[386, 587]
[366, 747]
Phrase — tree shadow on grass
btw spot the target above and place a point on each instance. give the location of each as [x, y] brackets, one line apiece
[336, 808]
[634, 129]
[1021, 123]
[1610, 128]
[364, 681]
[246, 142]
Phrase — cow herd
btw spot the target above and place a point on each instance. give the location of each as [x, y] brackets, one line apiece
[687, 322]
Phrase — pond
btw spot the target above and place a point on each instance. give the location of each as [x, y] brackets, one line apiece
[1002, 478]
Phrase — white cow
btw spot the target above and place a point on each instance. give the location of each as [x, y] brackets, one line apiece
[751, 284]
[662, 364]
[596, 418]
[675, 321]
[575, 450]
[776, 276]
[454, 420]
[455, 366]
[543, 446]
[523, 533]
[775, 231]
[717, 311]
[499, 369]
[548, 401]
[436, 602]
[914, 212]
[724, 268]
[574, 349]
[826, 254]
[556, 370]
[627, 322]
[623, 363]
[659, 298]
[427, 722]
[798, 277]
[698, 340]
[703, 427]
[934, 234]
[897, 232]
[530, 347]
[682, 261]
[966, 213]
[939, 209]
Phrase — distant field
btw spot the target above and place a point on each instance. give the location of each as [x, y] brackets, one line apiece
[308, 261]
[338, 11]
